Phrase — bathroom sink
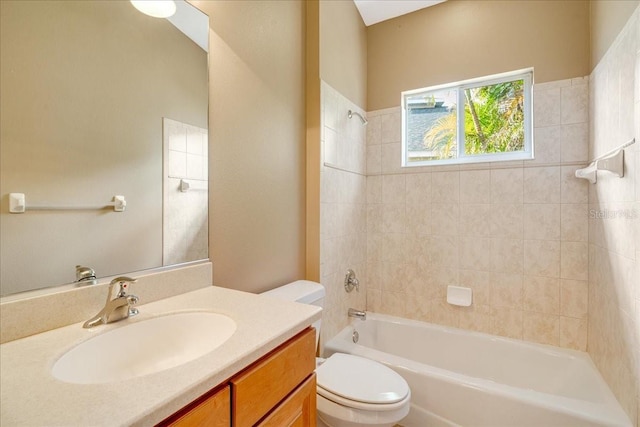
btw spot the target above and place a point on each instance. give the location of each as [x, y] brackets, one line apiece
[144, 347]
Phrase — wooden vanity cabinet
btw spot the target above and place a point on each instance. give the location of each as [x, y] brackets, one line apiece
[257, 390]
[278, 390]
[213, 411]
[298, 410]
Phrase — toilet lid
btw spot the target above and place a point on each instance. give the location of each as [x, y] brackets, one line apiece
[361, 380]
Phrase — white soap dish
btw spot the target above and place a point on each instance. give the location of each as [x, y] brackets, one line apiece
[457, 295]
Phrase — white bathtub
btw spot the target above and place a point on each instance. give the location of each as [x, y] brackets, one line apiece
[466, 378]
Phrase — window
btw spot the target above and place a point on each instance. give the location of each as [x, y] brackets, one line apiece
[480, 120]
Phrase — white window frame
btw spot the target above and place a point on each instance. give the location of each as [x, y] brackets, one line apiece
[461, 158]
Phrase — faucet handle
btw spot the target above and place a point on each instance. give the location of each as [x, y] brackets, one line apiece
[123, 283]
[350, 281]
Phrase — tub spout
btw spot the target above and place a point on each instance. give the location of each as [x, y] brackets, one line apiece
[360, 314]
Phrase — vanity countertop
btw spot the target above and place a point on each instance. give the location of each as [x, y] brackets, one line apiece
[31, 396]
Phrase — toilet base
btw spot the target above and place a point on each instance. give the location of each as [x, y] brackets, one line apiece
[330, 414]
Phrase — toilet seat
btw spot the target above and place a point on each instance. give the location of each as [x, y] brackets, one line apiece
[360, 383]
[368, 407]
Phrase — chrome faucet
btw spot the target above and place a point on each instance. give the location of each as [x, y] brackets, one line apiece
[359, 314]
[118, 307]
[85, 275]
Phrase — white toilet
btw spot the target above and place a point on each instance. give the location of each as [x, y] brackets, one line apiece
[352, 391]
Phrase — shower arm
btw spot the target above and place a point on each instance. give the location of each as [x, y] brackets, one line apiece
[350, 114]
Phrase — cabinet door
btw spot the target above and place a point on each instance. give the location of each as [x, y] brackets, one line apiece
[262, 386]
[214, 411]
[297, 410]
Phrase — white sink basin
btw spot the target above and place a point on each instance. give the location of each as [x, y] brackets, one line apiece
[144, 348]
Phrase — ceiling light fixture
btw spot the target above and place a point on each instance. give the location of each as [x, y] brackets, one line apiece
[155, 8]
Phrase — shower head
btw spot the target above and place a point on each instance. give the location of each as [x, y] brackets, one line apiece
[355, 113]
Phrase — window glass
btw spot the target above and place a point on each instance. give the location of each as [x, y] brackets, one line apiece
[486, 119]
[494, 118]
[432, 125]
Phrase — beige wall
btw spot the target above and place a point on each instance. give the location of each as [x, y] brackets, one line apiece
[461, 39]
[313, 118]
[343, 50]
[614, 224]
[81, 122]
[607, 19]
[256, 156]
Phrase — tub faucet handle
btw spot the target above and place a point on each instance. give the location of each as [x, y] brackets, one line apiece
[350, 281]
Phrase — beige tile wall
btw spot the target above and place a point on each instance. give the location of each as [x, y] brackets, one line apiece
[516, 233]
[342, 208]
[614, 220]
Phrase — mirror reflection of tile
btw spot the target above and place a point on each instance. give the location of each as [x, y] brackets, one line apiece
[185, 212]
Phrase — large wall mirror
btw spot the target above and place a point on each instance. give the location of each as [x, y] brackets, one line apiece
[100, 100]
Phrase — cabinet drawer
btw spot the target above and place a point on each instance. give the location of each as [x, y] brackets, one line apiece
[263, 385]
[297, 410]
[215, 411]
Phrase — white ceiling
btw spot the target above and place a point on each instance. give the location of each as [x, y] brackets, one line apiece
[193, 23]
[374, 11]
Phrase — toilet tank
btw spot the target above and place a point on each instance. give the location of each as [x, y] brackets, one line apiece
[302, 291]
